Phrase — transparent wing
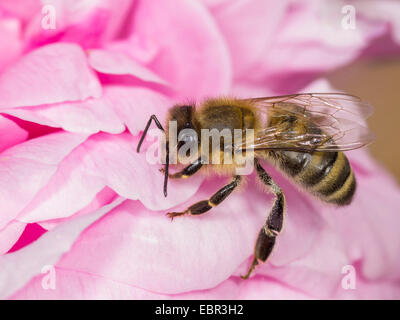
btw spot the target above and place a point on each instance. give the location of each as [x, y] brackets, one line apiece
[339, 105]
[311, 122]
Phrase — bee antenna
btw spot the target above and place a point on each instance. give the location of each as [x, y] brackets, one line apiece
[166, 169]
[158, 124]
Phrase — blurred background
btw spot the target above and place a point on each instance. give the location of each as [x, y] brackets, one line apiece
[378, 82]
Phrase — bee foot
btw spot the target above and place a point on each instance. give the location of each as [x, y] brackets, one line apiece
[172, 215]
[254, 263]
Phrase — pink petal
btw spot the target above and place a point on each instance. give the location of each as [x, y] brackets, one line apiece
[33, 129]
[31, 233]
[137, 47]
[386, 10]
[50, 74]
[73, 284]
[23, 9]
[27, 167]
[191, 253]
[119, 105]
[369, 229]
[9, 235]
[10, 133]
[249, 27]
[304, 44]
[367, 290]
[214, 3]
[10, 40]
[102, 198]
[69, 189]
[88, 116]
[263, 288]
[119, 64]
[104, 160]
[135, 105]
[21, 266]
[192, 55]
[87, 23]
[319, 272]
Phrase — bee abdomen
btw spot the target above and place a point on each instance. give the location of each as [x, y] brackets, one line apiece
[327, 175]
[330, 177]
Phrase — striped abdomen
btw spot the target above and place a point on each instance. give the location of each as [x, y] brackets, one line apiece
[328, 175]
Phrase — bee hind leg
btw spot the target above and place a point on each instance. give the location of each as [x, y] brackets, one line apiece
[205, 205]
[268, 233]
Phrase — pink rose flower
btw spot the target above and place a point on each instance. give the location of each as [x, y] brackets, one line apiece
[76, 198]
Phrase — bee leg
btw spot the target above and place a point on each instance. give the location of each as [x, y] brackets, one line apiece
[268, 233]
[188, 171]
[205, 205]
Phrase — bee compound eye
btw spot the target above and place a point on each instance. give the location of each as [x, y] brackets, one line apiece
[188, 137]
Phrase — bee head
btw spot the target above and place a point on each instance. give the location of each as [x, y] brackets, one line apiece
[186, 129]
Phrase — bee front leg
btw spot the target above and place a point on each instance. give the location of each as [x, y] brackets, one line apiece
[188, 171]
[268, 233]
[205, 205]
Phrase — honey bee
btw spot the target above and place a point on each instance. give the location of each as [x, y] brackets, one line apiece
[303, 135]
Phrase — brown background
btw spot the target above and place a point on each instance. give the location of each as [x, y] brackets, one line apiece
[377, 82]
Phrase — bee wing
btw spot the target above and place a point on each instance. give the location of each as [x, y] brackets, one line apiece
[325, 122]
[340, 105]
